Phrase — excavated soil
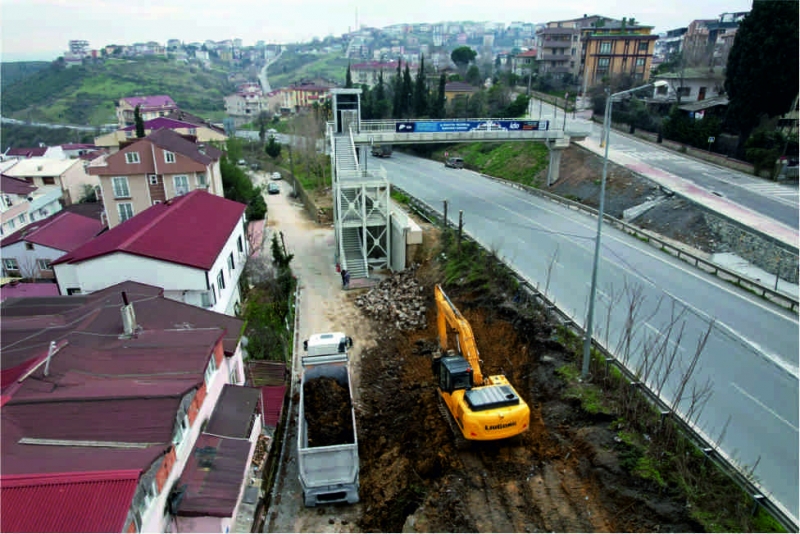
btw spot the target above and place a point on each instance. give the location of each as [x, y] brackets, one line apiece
[562, 475]
[327, 410]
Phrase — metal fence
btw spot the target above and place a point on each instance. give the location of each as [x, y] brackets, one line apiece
[722, 460]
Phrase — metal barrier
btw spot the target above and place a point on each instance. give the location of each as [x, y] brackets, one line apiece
[777, 297]
[722, 460]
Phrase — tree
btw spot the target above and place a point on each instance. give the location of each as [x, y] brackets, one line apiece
[397, 88]
[407, 94]
[438, 104]
[273, 148]
[139, 122]
[420, 91]
[463, 56]
[473, 76]
[348, 79]
[381, 104]
[762, 71]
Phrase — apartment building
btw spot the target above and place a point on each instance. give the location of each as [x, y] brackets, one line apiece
[150, 107]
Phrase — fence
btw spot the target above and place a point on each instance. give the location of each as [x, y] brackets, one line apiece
[722, 461]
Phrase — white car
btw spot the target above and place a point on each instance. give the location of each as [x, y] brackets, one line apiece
[272, 131]
[276, 176]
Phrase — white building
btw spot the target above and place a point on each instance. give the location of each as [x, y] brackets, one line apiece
[194, 246]
[68, 175]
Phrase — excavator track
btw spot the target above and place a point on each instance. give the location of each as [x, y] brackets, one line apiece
[461, 443]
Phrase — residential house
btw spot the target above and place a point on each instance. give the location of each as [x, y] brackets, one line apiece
[454, 90]
[247, 101]
[558, 44]
[30, 251]
[68, 175]
[201, 132]
[22, 202]
[524, 63]
[155, 169]
[691, 84]
[612, 48]
[76, 150]
[150, 107]
[303, 96]
[51, 152]
[368, 73]
[130, 387]
[707, 42]
[194, 246]
[788, 123]
[670, 43]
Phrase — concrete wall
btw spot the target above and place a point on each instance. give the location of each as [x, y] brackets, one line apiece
[26, 259]
[73, 180]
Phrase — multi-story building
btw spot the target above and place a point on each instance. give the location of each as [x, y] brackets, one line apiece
[202, 132]
[155, 169]
[368, 73]
[194, 246]
[303, 95]
[558, 45]
[68, 175]
[247, 101]
[670, 43]
[150, 107]
[525, 63]
[612, 48]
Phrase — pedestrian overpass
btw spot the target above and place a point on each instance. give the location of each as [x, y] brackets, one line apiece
[368, 228]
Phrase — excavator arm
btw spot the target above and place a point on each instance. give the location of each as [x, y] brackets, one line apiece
[448, 315]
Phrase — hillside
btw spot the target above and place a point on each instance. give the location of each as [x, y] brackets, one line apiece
[13, 71]
[85, 95]
[293, 67]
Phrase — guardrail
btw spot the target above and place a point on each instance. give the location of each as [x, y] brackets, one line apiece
[721, 459]
[777, 297]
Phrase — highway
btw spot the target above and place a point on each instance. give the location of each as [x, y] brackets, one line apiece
[752, 353]
[778, 201]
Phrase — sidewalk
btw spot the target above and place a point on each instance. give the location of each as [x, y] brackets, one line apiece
[700, 196]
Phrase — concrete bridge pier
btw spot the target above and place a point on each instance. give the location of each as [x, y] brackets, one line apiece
[556, 148]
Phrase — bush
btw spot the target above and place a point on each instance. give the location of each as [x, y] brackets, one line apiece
[257, 209]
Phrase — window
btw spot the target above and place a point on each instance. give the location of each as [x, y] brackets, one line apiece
[28, 246]
[21, 218]
[129, 133]
[48, 180]
[207, 298]
[220, 282]
[239, 244]
[201, 181]
[181, 185]
[73, 291]
[661, 90]
[44, 265]
[153, 179]
[192, 131]
[211, 369]
[234, 378]
[605, 47]
[573, 51]
[121, 189]
[643, 46]
[231, 264]
[11, 225]
[640, 62]
[169, 157]
[180, 430]
[684, 91]
[603, 62]
[10, 264]
[132, 157]
[125, 210]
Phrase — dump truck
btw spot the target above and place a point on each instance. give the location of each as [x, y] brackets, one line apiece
[382, 151]
[327, 443]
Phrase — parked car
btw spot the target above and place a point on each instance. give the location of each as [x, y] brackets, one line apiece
[454, 163]
[272, 131]
[255, 166]
[276, 175]
[273, 188]
[241, 163]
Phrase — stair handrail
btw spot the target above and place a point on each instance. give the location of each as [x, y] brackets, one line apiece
[353, 148]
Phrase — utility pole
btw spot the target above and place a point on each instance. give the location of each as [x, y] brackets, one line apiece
[291, 169]
[460, 228]
[445, 215]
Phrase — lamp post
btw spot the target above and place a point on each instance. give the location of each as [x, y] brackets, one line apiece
[587, 342]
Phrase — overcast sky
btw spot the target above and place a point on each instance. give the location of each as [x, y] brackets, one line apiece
[40, 29]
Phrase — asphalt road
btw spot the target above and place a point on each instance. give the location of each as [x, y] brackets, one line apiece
[751, 355]
[780, 202]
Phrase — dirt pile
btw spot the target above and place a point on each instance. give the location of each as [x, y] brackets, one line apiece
[397, 302]
[328, 412]
[561, 475]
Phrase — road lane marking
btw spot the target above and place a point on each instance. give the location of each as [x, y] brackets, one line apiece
[764, 406]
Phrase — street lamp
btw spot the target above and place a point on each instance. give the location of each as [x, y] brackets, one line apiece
[587, 342]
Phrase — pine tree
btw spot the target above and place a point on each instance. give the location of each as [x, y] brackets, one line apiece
[421, 91]
[407, 95]
[139, 122]
[348, 79]
[397, 88]
[438, 104]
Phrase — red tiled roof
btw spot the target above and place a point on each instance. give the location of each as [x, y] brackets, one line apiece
[15, 186]
[27, 152]
[213, 477]
[25, 290]
[189, 230]
[459, 87]
[150, 102]
[67, 502]
[77, 146]
[272, 404]
[62, 231]
[161, 122]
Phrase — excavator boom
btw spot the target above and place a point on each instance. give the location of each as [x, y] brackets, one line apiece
[449, 315]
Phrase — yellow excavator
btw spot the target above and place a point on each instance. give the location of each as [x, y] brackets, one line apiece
[480, 408]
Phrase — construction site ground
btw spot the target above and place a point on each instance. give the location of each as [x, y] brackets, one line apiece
[564, 474]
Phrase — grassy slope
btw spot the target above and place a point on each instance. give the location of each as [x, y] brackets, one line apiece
[516, 161]
[13, 71]
[292, 67]
[87, 94]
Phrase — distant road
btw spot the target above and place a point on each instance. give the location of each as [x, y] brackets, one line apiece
[5, 120]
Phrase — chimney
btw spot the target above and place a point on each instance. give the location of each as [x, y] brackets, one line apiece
[128, 316]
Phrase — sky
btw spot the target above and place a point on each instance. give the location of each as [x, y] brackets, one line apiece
[40, 29]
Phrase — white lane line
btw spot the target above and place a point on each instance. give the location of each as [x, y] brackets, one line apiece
[771, 412]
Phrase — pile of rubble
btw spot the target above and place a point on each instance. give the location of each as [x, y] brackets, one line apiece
[398, 301]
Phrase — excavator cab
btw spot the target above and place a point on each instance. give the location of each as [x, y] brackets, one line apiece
[452, 373]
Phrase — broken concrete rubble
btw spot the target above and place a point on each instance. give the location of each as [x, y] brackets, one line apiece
[398, 301]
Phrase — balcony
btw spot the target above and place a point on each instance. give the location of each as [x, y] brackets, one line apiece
[561, 58]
